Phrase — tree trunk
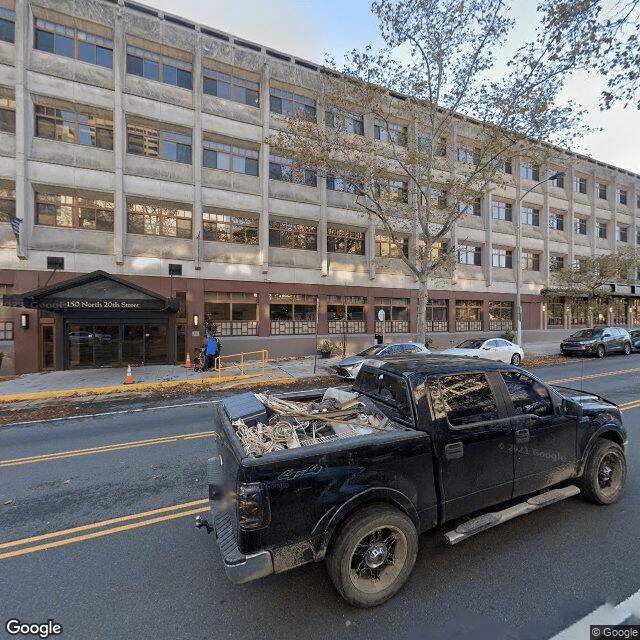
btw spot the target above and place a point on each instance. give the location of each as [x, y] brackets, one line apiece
[421, 311]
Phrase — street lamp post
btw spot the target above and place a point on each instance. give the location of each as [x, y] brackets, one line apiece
[559, 174]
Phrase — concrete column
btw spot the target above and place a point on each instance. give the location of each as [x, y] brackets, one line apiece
[24, 193]
[263, 233]
[119, 135]
[196, 154]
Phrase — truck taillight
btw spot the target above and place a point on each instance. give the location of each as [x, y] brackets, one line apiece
[253, 506]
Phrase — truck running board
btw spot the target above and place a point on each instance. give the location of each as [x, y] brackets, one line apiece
[488, 520]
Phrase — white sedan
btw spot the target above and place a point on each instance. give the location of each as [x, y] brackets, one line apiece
[490, 349]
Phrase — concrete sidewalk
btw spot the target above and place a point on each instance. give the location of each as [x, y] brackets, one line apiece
[96, 382]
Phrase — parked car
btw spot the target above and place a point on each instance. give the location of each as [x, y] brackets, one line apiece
[635, 339]
[353, 477]
[597, 341]
[349, 367]
[490, 349]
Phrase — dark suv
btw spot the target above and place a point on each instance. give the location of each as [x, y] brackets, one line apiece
[598, 341]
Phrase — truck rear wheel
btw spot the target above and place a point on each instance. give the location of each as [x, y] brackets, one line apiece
[372, 555]
[605, 472]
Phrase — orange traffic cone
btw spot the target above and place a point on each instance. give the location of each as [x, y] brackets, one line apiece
[129, 378]
[187, 364]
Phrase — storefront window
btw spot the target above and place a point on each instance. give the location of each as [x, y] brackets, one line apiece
[437, 317]
[346, 314]
[292, 314]
[469, 315]
[396, 315]
[500, 315]
[234, 314]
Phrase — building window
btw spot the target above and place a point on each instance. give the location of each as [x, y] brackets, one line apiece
[638, 236]
[396, 315]
[469, 315]
[289, 170]
[601, 229]
[347, 121]
[292, 314]
[580, 226]
[622, 234]
[345, 241]
[229, 87]
[502, 258]
[530, 261]
[621, 196]
[158, 143]
[468, 154]
[345, 314]
[437, 315]
[73, 211]
[437, 146]
[556, 263]
[6, 330]
[558, 181]
[73, 43]
[500, 315]
[472, 209]
[234, 314]
[387, 248]
[158, 220]
[393, 190]
[226, 157]
[638, 202]
[287, 103]
[7, 25]
[556, 220]
[530, 216]
[529, 171]
[7, 202]
[219, 226]
[161, 68]
[342, 183]
[291, 235]
[7, 114]
[579, 184]
[390, 132]
[501, 210]
[74, 126]
[469, 254]
[601, 190]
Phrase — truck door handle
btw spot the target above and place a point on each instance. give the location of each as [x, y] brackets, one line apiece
[453, 451]
[522, 435]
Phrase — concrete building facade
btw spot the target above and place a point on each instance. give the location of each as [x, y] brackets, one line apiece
[134, 151]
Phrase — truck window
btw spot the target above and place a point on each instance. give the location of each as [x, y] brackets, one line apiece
[391, 390]
[527, 394]
[464, 398]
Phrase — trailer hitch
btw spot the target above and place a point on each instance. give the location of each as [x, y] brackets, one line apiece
[203, 522]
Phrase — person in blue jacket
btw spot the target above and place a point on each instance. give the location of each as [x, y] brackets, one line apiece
[212, 352]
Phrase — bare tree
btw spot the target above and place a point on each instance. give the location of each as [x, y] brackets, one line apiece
[469, 122]
[598, 35]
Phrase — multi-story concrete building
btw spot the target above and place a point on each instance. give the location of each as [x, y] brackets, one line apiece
[140, 195]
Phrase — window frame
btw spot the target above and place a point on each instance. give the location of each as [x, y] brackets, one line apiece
[171, 71]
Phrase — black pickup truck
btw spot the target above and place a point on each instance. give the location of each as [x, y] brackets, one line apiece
[353, 477]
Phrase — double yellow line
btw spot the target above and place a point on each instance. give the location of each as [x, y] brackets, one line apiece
[99, 529]
[60, 455]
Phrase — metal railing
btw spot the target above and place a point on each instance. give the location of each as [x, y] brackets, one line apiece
[240, 363]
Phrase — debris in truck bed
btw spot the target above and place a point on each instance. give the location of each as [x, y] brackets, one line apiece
[339, 414]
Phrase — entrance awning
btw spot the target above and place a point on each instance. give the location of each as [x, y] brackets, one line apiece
[97, 291]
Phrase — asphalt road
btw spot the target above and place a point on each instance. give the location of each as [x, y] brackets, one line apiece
[97, 535]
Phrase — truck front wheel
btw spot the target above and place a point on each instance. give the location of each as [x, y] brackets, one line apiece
[372, 555]
[605, 472]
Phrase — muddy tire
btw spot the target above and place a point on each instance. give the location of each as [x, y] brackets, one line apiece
[605, 473]
[372, 555]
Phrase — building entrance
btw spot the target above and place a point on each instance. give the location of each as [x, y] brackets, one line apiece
[112, 345]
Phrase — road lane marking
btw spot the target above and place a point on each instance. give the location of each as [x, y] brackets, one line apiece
[60, 455]
[107, 528]
[591, 376]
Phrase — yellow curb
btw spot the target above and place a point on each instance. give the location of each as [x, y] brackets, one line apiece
[67, 393]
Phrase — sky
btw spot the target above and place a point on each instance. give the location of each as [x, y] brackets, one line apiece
[313, 29]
